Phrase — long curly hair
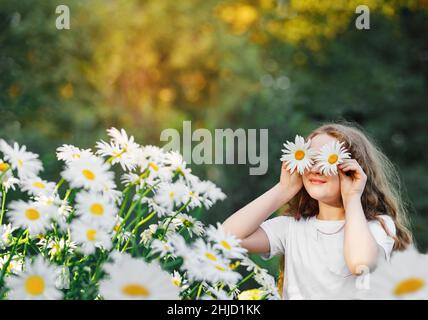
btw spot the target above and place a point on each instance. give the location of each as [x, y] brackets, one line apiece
[382, 193]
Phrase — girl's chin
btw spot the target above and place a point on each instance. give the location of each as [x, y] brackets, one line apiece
[319, 193]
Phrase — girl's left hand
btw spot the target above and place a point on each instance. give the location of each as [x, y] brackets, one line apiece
[352, 179]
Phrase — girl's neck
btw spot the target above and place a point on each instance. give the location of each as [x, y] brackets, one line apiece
[330, 212]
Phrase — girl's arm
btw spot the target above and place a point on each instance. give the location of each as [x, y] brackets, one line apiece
[244, 223]
[360, 247]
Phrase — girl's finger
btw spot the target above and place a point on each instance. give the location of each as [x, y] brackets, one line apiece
[343, 176]
[349, 168]
[355, 166]
[349, 161]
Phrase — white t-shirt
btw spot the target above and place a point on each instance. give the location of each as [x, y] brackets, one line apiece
[315, 265]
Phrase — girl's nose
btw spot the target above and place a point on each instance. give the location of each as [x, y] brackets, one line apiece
[314, 169]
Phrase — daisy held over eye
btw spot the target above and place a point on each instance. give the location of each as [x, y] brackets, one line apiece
[343, 215]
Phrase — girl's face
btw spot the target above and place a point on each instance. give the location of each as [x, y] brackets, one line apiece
[320, 187]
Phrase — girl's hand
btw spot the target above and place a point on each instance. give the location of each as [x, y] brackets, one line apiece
[352, 180]
[291, 183]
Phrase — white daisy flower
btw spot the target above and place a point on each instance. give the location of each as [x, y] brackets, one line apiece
[122, 139]
[123, 235]
[404, 277]
[163, 247]
[61, 207]
[209, 192]
[179, 245]
[69, 153]
[110, 192]
[125, 157]
[49, 205]
[268, 284]
[157, 173]
[26, 163]
[192, 225]
[88, 172]
[90, 236]
[330, 156]
[57, 246]
[7, 180]
[16, 264]
[179, 280]
[177, 164]
[147, 235]
[5, 235]
[37, 282]
[217, 294]
[153, 206]
[29, 216]
[226, 243]
[121, 149]
[37, 187]
[151, 156]
[205, 263]
[133, 279]
[170, 195]
[132, 178]
[97, 207]
[297, 155]
[252, 294]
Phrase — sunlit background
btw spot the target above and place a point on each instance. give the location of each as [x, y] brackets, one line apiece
[282, 65]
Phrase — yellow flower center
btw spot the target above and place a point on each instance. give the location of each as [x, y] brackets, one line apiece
[20, 163]
[210, 256]
[88, 174]
[299, 154]
[220, 268]
[153, 166]
[410, 285]
[171, 194]
[176, 282]
[332, 159]
[90, 234]
[75, 156]
[35, 285]
[32, 214]
[252, 294]
[39, 185]
[4, 167]
[97, 209]
[187, 223]
[226, 245]
[135, 289]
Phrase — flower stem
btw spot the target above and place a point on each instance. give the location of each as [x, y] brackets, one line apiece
[12, 252]
[172, 218]
[58, 185]
[199, 292]
[242, 281]
[3, 202]
[136, 227]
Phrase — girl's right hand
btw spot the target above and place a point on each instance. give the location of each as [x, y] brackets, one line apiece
[291, 183]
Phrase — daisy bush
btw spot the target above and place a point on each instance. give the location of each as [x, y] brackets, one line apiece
[122, 222]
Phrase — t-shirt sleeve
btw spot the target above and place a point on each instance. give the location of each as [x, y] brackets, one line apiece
[276, 230]
[385, 241]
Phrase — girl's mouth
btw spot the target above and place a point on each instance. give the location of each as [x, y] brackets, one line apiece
[316, 181]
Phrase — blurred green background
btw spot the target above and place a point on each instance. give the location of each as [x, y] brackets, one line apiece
[283, 65]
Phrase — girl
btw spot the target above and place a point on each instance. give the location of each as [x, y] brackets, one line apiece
[335, 227]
